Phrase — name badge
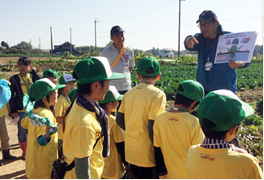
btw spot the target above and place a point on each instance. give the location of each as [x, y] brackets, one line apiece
[208, 66]
[125, 64]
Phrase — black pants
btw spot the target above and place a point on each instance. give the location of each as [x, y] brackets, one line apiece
[144, 172]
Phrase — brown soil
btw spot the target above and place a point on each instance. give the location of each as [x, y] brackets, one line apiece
[14, 169]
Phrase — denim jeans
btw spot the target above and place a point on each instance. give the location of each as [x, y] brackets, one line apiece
[21, 134]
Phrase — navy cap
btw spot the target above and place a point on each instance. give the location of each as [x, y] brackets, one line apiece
[206, 16]
[116, 30]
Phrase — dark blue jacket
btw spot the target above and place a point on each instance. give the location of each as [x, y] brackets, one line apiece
[220, 76]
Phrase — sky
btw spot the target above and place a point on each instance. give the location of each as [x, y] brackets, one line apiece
[147, 23]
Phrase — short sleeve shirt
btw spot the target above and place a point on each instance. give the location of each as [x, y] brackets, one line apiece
[81, 131]
[142, 103]
[126, 61]
[175, 133]
[114, 168]
[60, 109]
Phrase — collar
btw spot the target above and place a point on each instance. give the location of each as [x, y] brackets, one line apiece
[210, 143]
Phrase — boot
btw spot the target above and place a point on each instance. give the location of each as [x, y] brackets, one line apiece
[23, 146]
[7, 155]
[1, 163]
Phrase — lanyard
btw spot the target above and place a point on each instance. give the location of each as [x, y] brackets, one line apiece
[66, 99]
[27, 85]
[122, 56]
[209, 50]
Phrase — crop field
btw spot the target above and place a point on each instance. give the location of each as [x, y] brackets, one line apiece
[249, 81]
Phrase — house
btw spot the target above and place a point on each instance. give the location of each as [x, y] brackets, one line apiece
[60, 49]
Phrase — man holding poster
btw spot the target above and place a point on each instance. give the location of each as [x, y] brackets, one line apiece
[211, 75]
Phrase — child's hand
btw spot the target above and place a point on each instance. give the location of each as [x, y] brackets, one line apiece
[127, 167]
[32, 68]
[47, 132]
[8, 83]
[13, 115]
[163, 177]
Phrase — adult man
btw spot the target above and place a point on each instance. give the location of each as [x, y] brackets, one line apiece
[218, 76]
[125, 64]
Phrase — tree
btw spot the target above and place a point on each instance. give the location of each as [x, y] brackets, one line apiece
[258, 50]
[22, 51]
[36, 51]
[13, 51]
[4, 44]
[25, 45]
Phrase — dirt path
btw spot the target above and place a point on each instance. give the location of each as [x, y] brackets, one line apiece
[14, 169]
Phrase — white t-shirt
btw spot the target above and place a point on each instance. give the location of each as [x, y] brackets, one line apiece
[122, 66]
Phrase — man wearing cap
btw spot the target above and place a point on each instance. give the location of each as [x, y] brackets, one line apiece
[220, 113]
[217, 76]
[124, 64]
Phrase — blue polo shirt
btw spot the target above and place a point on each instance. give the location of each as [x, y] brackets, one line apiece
[220, 76]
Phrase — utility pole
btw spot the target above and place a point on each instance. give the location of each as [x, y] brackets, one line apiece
[95, 21]
[51, 41]
[71, 40]
[39, 44]
[179, 31]
[30, 47]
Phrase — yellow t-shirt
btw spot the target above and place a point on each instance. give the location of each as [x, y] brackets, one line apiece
[175, 133]
[202, 163]
[25, 83]
[3, 111]
[113, 167]
[60, 109]
[81, 131]
[141, 103]
[39, 159]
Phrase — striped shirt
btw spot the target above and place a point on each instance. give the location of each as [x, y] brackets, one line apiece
[210, 143]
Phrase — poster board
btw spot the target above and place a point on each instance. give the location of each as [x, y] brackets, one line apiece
[236, 47]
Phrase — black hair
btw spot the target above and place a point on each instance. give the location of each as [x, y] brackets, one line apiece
[103, 105]
[60, 92]
[39, 103]
[149, 70]
[84, 88]
[81, 89]
[186, 102]
[66, 113]
[207, 125]
[25, 60]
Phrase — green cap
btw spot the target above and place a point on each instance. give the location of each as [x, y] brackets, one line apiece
[72, 94]
[93, 69]
[65, 78]
[42, 88]
[224, 109]
[50, 73]
[147, 62]
[111, 95]
[192, 90]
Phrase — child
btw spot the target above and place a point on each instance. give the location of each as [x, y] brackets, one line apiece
[177, 130]
[220, 114]
[5, 95]
[20, 84]
[51, 74]
[63, 104]
[140, 107]
[113, 166]
[42, 144]
[86, 121]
